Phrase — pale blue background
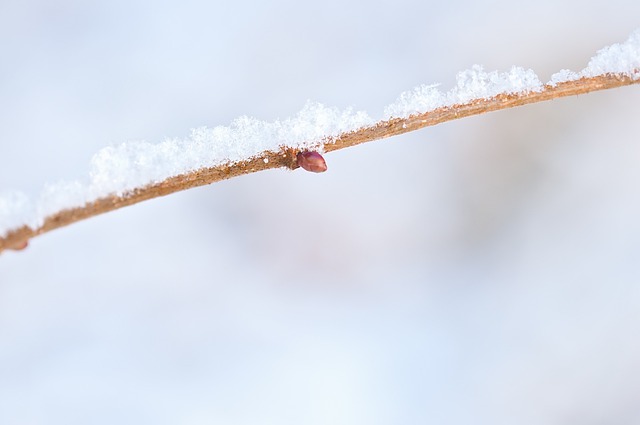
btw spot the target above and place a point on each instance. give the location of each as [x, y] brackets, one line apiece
[483, 271]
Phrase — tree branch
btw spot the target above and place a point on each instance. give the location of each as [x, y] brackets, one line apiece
[286, 157]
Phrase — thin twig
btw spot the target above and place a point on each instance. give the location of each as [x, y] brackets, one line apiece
[287, 157]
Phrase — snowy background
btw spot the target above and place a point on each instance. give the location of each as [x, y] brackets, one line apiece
[482, 271]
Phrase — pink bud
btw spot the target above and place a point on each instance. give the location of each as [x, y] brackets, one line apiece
[311, 161]
[20, 246]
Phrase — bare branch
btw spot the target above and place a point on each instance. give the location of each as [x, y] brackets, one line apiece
[17, 239]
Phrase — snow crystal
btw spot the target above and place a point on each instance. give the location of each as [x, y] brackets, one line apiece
[15, 208]
[57, 197]
[421, 99]
[623, 58]
[562, 76]
[472, 84]
[476, 83]
[617, 59]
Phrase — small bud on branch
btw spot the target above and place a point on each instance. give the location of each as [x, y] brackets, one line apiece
[312, 161]
[20, 246]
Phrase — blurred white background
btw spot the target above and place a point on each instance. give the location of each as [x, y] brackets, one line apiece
[483, 271]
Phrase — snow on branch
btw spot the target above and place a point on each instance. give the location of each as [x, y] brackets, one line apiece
[133, 172]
